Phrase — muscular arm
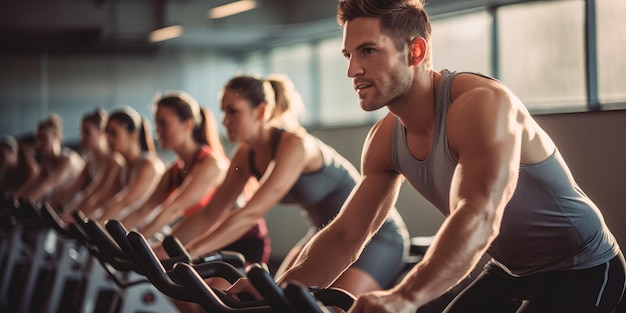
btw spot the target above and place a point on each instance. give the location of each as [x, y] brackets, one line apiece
[339, 244]
[485, 136]
[206, 175]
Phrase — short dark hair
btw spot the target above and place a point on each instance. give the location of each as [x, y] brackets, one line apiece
[402, 20]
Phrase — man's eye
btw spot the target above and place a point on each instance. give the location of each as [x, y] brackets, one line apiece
[368, 51]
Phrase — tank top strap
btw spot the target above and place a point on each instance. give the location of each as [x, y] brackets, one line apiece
[176, 173]
[277, 133]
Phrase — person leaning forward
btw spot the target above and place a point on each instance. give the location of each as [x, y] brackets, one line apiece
[469, 145]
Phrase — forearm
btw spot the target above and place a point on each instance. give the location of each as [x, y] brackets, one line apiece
[193, 226]
[172, 207]
[113, 209]
[36, 191]
[225, 233]
[462, 240]
[163, 218]
[323, 259]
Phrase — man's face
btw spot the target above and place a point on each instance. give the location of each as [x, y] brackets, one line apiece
[380, 73]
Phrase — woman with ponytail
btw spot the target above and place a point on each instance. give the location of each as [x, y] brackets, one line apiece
[128, 134]
[293, 167]
[200, 166]
[101, 166]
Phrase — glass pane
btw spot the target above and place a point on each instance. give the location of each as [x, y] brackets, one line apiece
[295, 62]
[338, 101]
[542, 53]
[253, 64]
[466, 50]
[611, 34]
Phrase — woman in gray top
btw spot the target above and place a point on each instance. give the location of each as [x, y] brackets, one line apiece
[292, 167]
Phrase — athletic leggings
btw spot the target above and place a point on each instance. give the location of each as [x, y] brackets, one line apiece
[594, 290]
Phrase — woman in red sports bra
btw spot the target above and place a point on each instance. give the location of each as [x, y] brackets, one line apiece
[201, 164]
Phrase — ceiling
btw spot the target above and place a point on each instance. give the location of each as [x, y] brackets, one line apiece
[123, 26]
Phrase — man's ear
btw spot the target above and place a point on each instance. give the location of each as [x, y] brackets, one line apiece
[417, 51]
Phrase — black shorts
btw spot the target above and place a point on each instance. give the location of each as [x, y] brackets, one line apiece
[594, 290]
[254, 249]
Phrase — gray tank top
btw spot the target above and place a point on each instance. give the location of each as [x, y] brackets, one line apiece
[321, 193]
[549, 223]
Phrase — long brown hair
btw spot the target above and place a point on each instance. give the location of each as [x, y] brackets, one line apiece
[205, 126]
[135, 122]
[255, 90]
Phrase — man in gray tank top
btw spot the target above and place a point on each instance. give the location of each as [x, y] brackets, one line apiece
[470, 146]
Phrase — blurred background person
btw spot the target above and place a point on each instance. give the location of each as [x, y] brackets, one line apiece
[128, 134]
[101, 168]
[19, 166]
[200, 165]
[59, 165]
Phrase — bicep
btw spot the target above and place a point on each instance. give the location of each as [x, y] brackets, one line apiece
[487, 143]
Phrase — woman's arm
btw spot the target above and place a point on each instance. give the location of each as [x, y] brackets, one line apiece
[206, 175]
[224, 199]
[62, 172]
[65, 195]
[32, 169]
[338, 245]
[137, 189]
[292, 155]
[101, 187]
[140, 214]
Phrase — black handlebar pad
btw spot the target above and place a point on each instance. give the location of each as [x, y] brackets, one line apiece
[334, 297]
[267, 287]
[174, 248]
[213, 300]
[233, 258]
[301, 298]
[167, 281]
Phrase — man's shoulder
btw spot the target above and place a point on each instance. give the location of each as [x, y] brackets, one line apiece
[377, 148]
[383, 127]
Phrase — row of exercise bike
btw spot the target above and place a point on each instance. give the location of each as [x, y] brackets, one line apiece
[48, 265]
